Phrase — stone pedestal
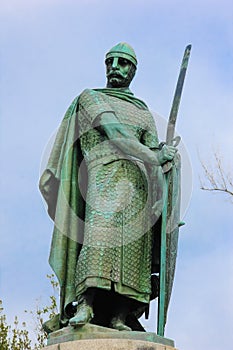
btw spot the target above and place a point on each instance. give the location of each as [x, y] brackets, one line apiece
[109, 344]
[91, 337]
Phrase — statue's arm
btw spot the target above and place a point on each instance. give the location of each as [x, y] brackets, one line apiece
[129, 144]
[98, 113]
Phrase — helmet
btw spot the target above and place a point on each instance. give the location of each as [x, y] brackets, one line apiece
[123, 50]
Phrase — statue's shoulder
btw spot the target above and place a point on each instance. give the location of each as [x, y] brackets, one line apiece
[92, 96]
[84, 93]
[88, 92]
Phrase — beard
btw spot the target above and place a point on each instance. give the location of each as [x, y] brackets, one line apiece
[116, 80]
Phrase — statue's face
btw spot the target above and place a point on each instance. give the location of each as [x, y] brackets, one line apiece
[118, 72]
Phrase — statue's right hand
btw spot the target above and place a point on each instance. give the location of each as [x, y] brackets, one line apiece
[167, 153]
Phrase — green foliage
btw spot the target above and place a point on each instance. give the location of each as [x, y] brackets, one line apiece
[16, 336]
[4, 329]
[13, 337]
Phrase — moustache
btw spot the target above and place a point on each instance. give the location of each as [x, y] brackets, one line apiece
[115, 74]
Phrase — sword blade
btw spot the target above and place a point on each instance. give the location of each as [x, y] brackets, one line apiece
[177, 96]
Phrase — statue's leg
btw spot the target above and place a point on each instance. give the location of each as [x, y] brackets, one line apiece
[84, 312]
[120, 312]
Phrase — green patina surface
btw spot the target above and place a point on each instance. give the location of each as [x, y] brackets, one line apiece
[104, 188]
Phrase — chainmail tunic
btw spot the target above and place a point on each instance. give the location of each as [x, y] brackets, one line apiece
[117, 237]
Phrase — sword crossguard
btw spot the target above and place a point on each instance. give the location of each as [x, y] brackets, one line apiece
[176, 141]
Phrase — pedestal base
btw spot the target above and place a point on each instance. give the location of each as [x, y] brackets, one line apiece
[109, 344]
[92, 337]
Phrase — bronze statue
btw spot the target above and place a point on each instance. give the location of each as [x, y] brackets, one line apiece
[104, 188]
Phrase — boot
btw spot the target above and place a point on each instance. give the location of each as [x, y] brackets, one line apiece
[118, 322]
[84, 312]
[121, 309]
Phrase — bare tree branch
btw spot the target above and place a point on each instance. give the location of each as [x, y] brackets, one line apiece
[216, 178]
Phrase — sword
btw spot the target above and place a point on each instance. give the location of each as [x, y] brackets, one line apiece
[170, 140]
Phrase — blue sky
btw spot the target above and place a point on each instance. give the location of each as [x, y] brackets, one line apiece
[52, 50]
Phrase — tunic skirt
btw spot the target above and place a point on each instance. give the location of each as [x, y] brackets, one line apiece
[117, 246]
